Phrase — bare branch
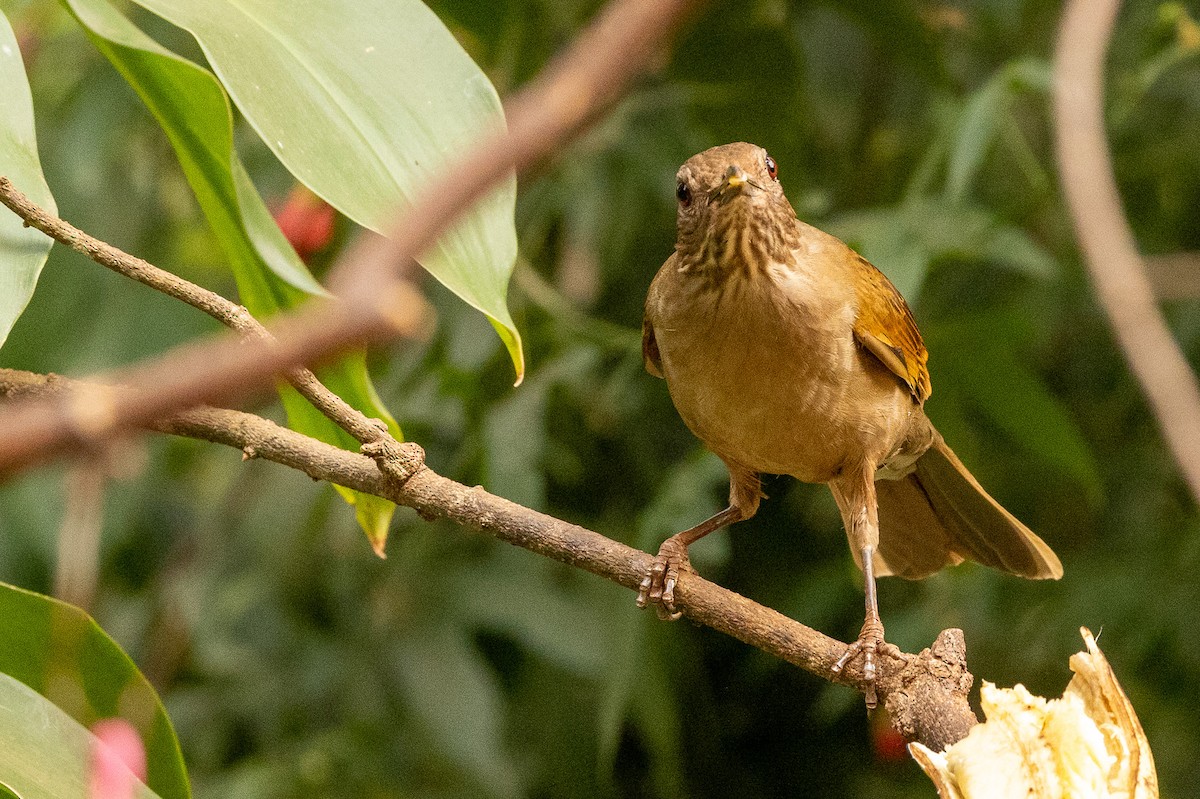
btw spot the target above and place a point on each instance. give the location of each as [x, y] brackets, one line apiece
[1110, 251]
[601, 63]
[925, 694]
[372, 433]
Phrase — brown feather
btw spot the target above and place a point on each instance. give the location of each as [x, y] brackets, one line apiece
[939, 515]
[885, 327]
[981, 528]
[913, 542]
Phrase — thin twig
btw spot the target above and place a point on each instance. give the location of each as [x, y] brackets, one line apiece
[925, 694]
[1110, 252]
[575, 88]
[371, 433]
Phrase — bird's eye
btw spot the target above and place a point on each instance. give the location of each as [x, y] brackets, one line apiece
[684, 194]
[771, 168]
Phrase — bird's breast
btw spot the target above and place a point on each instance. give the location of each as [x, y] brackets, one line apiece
[765, 370]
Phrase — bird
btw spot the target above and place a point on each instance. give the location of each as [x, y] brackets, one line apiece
[786, 352]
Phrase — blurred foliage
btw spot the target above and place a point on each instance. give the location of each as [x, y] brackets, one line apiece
[59, 672]
[295, 663]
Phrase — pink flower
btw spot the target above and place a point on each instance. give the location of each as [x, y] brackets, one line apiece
[118, 760]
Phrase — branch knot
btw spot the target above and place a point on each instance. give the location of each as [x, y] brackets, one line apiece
[399, 461]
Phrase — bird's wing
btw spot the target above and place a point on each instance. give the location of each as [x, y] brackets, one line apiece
[650, 355]
[886, 328]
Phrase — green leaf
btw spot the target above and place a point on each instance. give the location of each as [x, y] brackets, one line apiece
[23, 250]
[977, 128]
[44, 753]
[691, 490]
[621, 678]
[194, 112]
[515, 437]
[515, 431]
[55, 650]
[365, 102]
[639, 692]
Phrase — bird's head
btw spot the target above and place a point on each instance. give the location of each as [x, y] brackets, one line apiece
[732, 210]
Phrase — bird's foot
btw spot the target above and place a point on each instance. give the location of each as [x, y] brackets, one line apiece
[658, 586]
[869, 644]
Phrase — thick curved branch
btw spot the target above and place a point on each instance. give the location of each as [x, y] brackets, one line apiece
[1110, 252]
[379, 305]
[925, 694]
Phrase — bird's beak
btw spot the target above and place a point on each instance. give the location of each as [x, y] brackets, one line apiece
[734, 184]
[735, 178]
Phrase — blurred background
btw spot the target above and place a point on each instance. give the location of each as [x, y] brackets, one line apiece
[296, 663]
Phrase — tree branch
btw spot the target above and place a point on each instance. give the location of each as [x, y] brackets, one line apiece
[371, 433]
[925, 694]
[379, 305]
[1109, 249]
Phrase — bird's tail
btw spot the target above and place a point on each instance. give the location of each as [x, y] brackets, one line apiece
[939, 515]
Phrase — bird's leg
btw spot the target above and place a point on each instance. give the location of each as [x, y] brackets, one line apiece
[658, 586]
[870, 638]
[856, 499]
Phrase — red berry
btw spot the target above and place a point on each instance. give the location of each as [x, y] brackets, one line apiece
[889, 745]
[306, 221]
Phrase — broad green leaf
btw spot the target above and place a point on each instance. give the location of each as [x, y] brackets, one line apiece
[691, 490]
[655, 710]
[63, 671]
[23, 250]
[981, 117]
[44, 753]
[194, 112]
[365, 102]
[515, 432]
[637, 688]
[638, 691]
[1031, 74]
[515, 436]
[621, 678]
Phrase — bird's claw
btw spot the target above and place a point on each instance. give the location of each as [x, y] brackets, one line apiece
[658, 586]
[869, 644]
